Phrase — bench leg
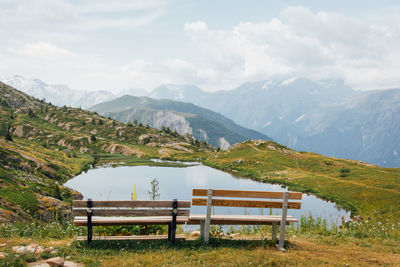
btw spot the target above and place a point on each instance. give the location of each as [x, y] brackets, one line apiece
[283, 222]
[169, 232]
[89, 233]
[173, 232]
[274, 232]
[208, 216]
[202, 226]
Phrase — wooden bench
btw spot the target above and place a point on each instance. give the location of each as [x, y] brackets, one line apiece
[131, 212]
[205, 220]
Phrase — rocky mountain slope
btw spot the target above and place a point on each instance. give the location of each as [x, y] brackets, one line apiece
[266, 106]
[325, 117]
[41, 146]
[365, 126]
[185, 118]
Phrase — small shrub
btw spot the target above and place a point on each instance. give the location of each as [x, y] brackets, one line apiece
[344, 172]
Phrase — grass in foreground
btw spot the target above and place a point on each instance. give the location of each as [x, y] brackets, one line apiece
[303, 250]
[310, 243]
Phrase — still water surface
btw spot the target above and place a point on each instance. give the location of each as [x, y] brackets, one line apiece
[108, 183]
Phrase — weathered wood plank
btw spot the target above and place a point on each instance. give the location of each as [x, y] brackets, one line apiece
[241, 219]
[132, 221]
[130, 212]
[131, 203]
[245, 203]
[248, 194]
[133, 237]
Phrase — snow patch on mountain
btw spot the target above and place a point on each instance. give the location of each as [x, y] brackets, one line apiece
[288, 81]
[58, 94]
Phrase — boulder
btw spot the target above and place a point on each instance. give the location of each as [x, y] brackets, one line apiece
[55, 262]
[19, 249]
[39, 250]
[196, 233]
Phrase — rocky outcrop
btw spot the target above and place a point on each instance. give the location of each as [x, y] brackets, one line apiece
[223, 144]
[50, 208]
[122, 149]
[148, 138]
[17, 215]
[179, 146]
[65, 144]
[17, 131]
[172, 121]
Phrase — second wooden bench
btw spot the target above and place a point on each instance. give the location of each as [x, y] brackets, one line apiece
[205, 220]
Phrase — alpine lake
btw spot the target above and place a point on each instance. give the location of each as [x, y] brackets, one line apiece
[115, 182]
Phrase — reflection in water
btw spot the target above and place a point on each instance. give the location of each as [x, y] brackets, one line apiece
[118, 184]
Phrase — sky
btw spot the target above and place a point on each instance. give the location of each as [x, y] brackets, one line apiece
[215, 45]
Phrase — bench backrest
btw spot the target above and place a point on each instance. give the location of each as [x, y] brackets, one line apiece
[130, 208]
[211, 201]
[283, 204]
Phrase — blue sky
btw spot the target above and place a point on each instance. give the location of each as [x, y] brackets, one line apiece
[112, 45]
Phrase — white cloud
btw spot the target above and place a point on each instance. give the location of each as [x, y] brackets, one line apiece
[302, 43]
[80, 15]
[146, 74]
[112, 48]
[43, 50]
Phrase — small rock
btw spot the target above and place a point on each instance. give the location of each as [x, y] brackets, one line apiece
[55, 262]
[19, 249]
[2, 255]
[54, 251]
[73, 264]
[49, 249]
[235, 235]
[30, 249]
[3, 245]
[39, 251]
[34, 245]
[68, 257]
[196, 233]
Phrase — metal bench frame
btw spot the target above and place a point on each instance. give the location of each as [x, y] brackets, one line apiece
[155, 212]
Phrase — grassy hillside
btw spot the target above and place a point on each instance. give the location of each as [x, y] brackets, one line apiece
[41, 146]
[363, 188]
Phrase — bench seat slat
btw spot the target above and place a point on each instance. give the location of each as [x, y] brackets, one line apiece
[240, 219]
[245, 203]
[131, 220]
[248, 194]
[131, 203]
[131, 237]
[130, 212]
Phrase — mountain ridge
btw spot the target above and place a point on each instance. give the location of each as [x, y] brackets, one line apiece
[202, 123]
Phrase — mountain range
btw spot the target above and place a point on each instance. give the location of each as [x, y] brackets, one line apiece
[185, 118]
[60, 94]
[326, 117]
